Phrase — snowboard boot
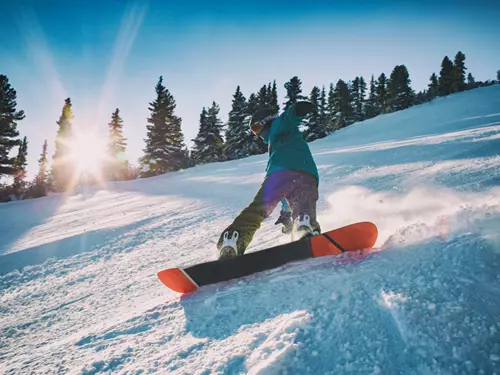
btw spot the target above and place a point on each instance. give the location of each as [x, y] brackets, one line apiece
[286, 220]
[228, 247]
[302, 228]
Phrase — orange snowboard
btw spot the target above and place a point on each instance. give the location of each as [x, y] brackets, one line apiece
[358, 236]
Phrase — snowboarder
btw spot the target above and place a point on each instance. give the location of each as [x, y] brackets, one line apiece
[291, 174]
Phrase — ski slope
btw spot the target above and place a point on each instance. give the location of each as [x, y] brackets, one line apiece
[79, 293]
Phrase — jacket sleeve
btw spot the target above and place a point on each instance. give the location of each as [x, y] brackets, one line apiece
[293, 116]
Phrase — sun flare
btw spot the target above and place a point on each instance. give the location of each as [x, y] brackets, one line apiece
[88, 153]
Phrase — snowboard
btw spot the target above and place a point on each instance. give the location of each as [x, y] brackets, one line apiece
[353, 237]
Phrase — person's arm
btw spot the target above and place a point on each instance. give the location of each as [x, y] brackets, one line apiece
[293, 116]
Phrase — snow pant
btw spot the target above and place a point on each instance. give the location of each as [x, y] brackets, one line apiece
[300, 189]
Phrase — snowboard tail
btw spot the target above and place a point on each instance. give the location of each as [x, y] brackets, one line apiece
[358, 236]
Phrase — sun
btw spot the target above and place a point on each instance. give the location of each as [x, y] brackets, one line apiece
[88, 154]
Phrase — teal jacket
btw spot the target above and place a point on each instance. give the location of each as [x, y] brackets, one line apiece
[287, 148]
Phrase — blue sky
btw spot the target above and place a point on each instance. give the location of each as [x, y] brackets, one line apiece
[109, 53]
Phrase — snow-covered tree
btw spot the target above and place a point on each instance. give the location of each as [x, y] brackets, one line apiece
[9, 117]
[165, 149]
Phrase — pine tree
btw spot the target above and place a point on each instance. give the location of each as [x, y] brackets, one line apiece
[420, 98]
[498, 76]
[323, 118]
[20, 164]
[342, 105]
[331, 109]
[471, 81]
[399, 89]
[446, 77]
[353, 87]
[315, 128]
[41, 180]
[8, 125]
[255, 146]
[293, 91]
[208, 144]
[62, 168]
[237, 134]
[371, 103]
[165, 149]
[381, 94]
[263, 97]
[118, 165]
[458, 73]
[433, 87]
[274, 98]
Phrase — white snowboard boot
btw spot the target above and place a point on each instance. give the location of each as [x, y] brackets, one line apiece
[229, 246]
[302, 228]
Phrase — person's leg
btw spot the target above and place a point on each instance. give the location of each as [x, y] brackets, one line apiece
[240, 233]
[302, 197]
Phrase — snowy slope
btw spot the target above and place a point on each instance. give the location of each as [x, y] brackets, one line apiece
[79, 293]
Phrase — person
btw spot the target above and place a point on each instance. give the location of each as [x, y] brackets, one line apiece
[291, 175]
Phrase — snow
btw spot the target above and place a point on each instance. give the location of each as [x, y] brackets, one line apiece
[79, 293]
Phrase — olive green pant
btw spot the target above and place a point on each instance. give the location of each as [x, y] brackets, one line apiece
[300, 190]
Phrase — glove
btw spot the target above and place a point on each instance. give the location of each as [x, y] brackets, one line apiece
[285, 219]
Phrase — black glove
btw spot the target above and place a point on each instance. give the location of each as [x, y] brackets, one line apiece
[303, 108]
[285, 219]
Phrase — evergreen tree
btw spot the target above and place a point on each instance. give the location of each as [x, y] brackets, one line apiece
[273, 101]
[433, 87]
[458, 73]
[446, 77]
[498, 76]
[331, 109]
[420, 98]
[41, 179]
[62, 167]
[293, 91]
[371, 104]
[399, 89]
[381, 94]
[118, 165]
[323, 118]
[358, 93]
[8, 125]
[263, 97]
[237, 134]
[471, 81]
[353, 87]
[315, 128]
[209, 146]
[255, 145]
[165, 149]
[342, 105]
[20, 164]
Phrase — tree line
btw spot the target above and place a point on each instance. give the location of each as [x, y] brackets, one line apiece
[338, 106]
